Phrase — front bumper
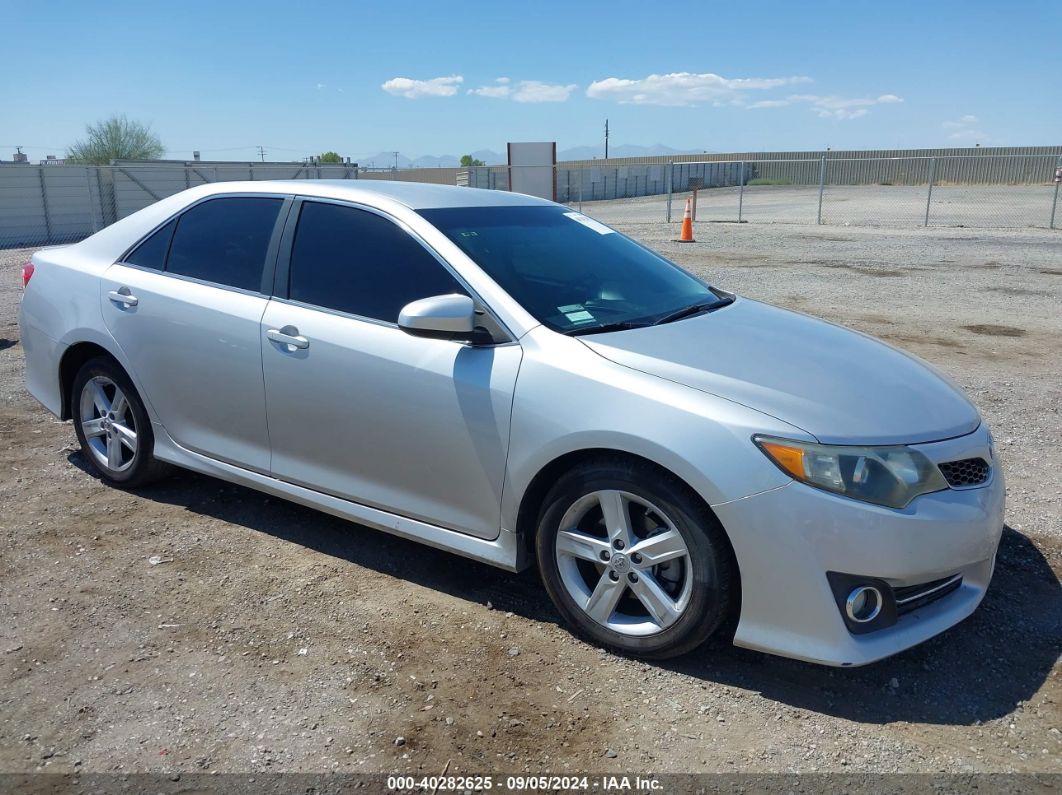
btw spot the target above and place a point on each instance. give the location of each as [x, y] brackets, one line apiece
[787, 539]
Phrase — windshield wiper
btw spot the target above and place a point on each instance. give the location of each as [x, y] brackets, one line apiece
[694, 309]
[620, 326]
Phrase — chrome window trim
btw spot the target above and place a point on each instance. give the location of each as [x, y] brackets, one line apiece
[282, 277]
[272, 251]
[193, 280]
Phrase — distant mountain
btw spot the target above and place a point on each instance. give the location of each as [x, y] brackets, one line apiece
[620, 150]
[387, 160]
[492, 158]
[382, 160]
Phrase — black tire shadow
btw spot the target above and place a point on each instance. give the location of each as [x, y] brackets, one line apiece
[977, 671]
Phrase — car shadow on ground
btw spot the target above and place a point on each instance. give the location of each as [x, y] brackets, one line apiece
[981, 670]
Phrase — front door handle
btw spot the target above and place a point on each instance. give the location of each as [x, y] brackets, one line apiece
[123, 296]
[289, 335]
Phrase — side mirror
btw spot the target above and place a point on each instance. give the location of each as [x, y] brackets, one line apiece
[440, 316]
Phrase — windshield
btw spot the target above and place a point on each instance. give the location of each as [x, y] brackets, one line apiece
[570, 272]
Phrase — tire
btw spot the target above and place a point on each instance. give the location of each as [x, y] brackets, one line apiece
[112, 425]
[670, 545]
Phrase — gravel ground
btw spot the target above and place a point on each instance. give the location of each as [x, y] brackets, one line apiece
[271, 637]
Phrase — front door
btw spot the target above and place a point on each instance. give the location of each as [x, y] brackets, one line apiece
[360, 409]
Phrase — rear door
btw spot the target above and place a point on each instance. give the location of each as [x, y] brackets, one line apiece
[360, 409]
[186, 306]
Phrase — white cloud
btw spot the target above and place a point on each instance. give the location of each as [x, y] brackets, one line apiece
[525, 91]
[840, 114]
[768, 103]
[537, 91]
[320, 86]
[841, 108]
[500, 90]
[415, 89]
[962, 129]
[682, 88]
[962, 122]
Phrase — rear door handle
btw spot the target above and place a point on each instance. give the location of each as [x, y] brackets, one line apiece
[289, 335]
[123, 296]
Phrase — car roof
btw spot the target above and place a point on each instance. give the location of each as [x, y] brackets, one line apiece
[415, 195]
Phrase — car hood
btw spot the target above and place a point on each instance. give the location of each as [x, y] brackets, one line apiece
[840, 386]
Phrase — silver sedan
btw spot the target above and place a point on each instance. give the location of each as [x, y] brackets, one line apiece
[513, 381]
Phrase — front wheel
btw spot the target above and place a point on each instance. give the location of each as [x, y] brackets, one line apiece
[633, 560]
[112, 425]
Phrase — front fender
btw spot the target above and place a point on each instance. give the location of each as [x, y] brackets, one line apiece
[570, 399]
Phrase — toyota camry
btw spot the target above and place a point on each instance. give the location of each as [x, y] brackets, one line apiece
[501, 377]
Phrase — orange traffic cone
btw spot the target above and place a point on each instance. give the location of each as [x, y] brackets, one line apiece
[687, 224]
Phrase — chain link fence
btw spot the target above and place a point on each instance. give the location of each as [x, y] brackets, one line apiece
[42, 205]
[962, 190]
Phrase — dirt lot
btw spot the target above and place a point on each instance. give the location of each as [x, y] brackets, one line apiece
[272, 637]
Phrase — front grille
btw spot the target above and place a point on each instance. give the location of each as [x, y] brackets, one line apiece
[968, 472]
[912, 597]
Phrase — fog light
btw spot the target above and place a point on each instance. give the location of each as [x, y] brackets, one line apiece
[863, 604]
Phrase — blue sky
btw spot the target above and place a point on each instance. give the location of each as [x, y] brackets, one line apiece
[448, 78]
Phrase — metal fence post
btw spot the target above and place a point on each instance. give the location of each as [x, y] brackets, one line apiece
[44, 203]
[741, 190]
[929, 194]
[822, 184]
[670, 186]
[92, 208]
[1054, 201]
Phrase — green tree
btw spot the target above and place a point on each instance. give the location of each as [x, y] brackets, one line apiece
[467, 161]
[116, 138]
[331, 157]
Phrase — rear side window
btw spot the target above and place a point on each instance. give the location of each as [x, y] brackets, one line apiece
[152, 252]
[355, 261]
[225, 241]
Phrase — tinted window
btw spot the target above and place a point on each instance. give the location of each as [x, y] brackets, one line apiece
[358, 262]
[224, 241]
[152, 252]
[569, 271]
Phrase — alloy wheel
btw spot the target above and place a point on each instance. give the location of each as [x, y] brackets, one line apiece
[624, 562]
[108, 424]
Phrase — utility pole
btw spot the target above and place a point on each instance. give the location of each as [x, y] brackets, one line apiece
[261, 153]
[606, 139]
[396, 160]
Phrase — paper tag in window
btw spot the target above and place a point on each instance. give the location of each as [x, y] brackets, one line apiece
[576, 313]
[590, 223]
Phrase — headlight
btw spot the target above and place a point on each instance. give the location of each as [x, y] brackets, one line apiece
[891, 476]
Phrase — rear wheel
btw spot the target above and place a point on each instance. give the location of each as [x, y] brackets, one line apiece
[633, 560]
[112, 425]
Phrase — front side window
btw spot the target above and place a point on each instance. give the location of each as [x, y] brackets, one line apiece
[570, 272]
[152, 252]
[355, 261]
[225, 240]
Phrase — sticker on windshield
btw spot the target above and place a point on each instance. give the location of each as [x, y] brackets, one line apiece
[590, 223]
[576, 313]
